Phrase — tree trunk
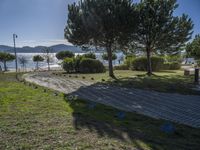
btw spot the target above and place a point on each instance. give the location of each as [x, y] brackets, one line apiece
[109, 51]
[5, 66]
[149, 67]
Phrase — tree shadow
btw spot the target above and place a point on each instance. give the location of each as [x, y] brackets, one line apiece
[105, 121]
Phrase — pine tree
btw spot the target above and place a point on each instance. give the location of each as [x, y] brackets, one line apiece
[101, 23]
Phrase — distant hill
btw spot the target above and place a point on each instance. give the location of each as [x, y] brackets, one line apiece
[38, 49]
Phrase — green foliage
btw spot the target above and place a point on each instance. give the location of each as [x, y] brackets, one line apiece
[193, 48]
[105, 56]
[129, 59]
[88, 65]
[5, 57]
[101, 23]
[68, 64]
[77, 61]
[166, 32]
[64, 54]
[89, 55]
[38, 58]
[122, 67]
[173, 58]
[140, 63]
[171, 66]
[198, 62]
[159, 31]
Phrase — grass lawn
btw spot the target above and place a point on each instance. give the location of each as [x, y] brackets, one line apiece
[33, 119]
[164, 81]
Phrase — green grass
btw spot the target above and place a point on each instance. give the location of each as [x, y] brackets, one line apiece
[164, 81]
[33, 119]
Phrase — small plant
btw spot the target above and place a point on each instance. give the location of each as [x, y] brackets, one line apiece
[83, 77]
[92, 78]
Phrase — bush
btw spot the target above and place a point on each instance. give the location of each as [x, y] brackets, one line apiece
[121, 67]
[171, 66]
[89, 55]
[88, 65]
[68, 64]
[64, 54]
[105, 56]
[77, 62]
[140, 63]
[129, 59]
[198, 62]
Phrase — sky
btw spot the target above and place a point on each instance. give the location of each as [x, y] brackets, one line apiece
[42, 22]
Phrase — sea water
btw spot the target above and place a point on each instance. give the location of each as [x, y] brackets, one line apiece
[30, 65]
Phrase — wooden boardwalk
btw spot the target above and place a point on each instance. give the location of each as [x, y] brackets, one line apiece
[183, 109]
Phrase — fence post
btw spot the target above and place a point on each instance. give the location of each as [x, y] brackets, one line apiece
[196, 79]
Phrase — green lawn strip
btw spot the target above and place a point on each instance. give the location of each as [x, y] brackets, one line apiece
[33, 119]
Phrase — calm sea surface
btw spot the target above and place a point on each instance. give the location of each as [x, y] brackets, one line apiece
[54, 62]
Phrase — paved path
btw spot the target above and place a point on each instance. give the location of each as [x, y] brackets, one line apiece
[184, 109]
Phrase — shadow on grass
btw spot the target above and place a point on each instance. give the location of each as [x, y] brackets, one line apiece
[143, 132]
[167, 83]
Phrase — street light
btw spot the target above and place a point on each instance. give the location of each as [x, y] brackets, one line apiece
[15, 36]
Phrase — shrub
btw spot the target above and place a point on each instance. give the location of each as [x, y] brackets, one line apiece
[68, 64]
[64, 54]
[88, 65]
[198, 62]
[105, 56]
[121, 67]
[89, 55]
[140, 63]
[129, 59]
[77, 62]
[171, 66]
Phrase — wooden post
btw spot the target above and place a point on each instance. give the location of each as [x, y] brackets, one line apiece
[196, 79]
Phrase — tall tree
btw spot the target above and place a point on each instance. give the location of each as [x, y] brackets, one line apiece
[193, 48]
[5, 57]
[101, 23]
[37, 59]
[159, 30]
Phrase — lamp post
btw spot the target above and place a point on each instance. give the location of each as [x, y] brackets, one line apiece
[14, 37]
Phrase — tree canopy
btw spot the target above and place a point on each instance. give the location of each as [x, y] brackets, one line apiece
[103, 23]
[193, 48]
[37, 59]
[5, 57]
[159, 31]
[64, 54]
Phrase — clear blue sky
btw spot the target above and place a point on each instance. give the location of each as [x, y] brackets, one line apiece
[42, 22]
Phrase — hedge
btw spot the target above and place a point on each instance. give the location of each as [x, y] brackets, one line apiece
[140, 63]
[68, 64]
[171, 66]
[89, 55]
[88, 65]
[121, 67]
